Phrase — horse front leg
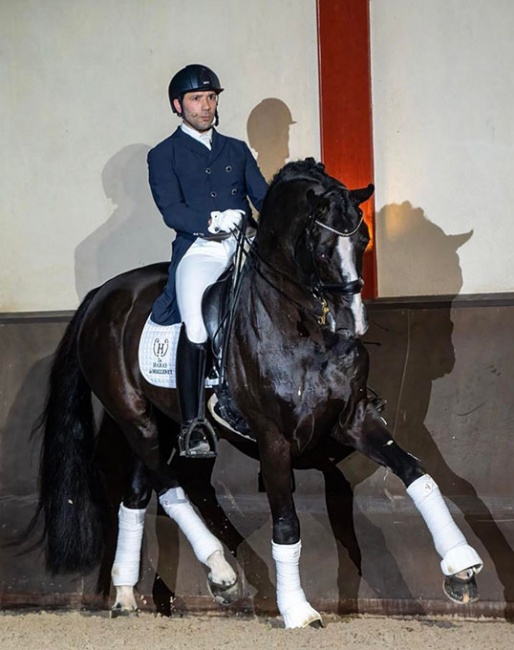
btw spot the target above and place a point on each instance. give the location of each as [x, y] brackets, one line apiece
[286, 544]
[459, 561]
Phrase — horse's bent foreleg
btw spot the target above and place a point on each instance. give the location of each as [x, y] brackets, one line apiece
[459, 560]
[286, 545]
[131, 516]
[222, 578]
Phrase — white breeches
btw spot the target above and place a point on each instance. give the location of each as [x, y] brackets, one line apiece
[200, 267]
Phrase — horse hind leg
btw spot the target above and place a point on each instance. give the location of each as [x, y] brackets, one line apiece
[221, 579]
[131, 517]
[459, 561]
[141, 430]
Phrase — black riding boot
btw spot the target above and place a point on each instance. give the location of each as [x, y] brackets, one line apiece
[197, 438]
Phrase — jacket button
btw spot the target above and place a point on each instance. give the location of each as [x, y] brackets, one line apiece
[208, 170]
[214, 195]
[228, 169]
[234, 191]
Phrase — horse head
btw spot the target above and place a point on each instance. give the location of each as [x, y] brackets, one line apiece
[312, 229]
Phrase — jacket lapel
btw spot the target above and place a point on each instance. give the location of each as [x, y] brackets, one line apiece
[217, 146]
[192, 145]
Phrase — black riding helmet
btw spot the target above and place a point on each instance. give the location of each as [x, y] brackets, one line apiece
[192, 77]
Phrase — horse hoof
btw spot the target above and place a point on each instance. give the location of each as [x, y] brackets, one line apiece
[461, 591]
[302, 616]
[119, 610]
[224, 594]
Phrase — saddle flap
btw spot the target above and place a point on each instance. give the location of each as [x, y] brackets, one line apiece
[215, 305]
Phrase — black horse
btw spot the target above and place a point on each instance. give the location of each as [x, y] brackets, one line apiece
[296, 372]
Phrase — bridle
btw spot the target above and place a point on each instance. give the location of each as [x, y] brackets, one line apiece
[319, 289]
[338, 232]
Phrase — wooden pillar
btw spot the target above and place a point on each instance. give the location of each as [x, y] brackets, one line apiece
[345, 104]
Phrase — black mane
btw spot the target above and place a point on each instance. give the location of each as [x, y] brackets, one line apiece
[308, 168]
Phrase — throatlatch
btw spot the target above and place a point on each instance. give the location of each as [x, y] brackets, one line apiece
[197, 438]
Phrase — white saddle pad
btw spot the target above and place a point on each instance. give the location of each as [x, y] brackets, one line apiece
[157, 354]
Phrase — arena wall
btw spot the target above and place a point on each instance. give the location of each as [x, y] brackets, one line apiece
[447, 374]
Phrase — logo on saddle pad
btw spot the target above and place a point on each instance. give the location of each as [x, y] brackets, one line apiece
[158, 352]
[160, 348]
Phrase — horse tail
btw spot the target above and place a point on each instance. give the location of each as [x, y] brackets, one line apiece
[70, 494]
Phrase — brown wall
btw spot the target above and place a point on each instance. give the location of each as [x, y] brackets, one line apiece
[446, 368]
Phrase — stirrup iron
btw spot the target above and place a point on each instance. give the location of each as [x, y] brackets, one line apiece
[204, 428]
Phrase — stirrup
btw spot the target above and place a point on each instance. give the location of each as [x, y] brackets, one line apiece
[208, 445]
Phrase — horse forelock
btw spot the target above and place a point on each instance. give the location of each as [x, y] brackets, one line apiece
[307, 174]
[291, 170]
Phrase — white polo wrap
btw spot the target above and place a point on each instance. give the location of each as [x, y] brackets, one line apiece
[177, 507]
[125, 570]
[449, 541]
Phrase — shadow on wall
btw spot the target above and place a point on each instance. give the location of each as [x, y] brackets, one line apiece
[408, 354]
[268, 134]
[134, 235]
[421, 258]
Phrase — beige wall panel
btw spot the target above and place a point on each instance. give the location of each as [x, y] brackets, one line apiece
[443, 91]
[84, 94]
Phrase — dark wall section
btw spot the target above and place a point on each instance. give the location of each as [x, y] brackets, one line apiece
[446, 368]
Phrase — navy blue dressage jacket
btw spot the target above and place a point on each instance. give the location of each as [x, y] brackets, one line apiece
[189, 181]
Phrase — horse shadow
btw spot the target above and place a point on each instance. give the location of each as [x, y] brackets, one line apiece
[404, 366]
[133, 235]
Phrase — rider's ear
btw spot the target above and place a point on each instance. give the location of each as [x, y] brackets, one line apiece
[359, 196]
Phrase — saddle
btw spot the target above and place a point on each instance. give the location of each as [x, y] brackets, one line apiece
[217, 309]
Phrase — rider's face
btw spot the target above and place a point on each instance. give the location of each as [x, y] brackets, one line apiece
[198, 109]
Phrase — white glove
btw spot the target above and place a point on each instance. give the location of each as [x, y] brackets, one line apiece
[225, 221]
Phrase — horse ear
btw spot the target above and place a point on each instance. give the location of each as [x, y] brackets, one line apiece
[459, 240]
[316, 202]
[359, 196]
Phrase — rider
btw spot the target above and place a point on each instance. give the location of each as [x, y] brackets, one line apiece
[201, 182]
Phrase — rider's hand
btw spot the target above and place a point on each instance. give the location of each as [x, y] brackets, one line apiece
[225, 221]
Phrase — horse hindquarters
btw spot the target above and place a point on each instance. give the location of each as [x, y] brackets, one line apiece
[69, 491]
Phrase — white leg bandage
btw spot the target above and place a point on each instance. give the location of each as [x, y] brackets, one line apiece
[449, 541]
[291, 601]
[177, 507]
[125, 570]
